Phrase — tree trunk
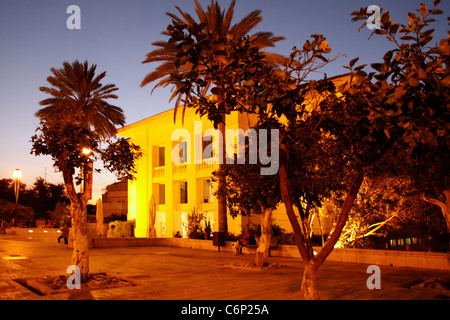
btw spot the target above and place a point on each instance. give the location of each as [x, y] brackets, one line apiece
[286, 198]
[78, 212]
[341, 221]
[222, 184]
[312, 262]
[445, 206]
[262, 252]
[80, 255]
[308, 287]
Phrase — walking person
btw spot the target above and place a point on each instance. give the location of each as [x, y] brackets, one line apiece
[64, 234]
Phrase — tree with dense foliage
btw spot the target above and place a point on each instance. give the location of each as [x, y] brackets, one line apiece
[344, 131]
[11, 211]
[384, 204]
[76, 121]
[199, 59]
[44, 196]
[7, 191]
[415, 79]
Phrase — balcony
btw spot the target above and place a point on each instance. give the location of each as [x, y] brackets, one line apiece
[205, 166]
[158, 172]
[180, 168]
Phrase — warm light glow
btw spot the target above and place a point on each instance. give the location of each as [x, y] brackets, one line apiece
[30, 231]
[17, 174]
[86, 151]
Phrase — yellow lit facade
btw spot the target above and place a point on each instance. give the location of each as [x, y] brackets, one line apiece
[178, 187]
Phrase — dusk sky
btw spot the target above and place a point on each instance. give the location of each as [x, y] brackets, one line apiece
[116, 35]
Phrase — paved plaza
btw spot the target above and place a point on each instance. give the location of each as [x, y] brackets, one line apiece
[172, 273]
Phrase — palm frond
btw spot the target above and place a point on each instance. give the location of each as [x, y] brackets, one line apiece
[216, 24]
[77, 95]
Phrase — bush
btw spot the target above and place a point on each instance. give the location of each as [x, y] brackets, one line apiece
[195, 219]
[123, 228]
[286, 238]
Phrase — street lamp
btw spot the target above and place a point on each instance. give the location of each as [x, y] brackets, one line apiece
[87, 175]
[17, 175]
[86, 151]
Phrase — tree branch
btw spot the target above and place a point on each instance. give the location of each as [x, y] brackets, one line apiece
[342, 219]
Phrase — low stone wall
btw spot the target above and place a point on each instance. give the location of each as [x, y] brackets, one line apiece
[396, 258]
[162, 242]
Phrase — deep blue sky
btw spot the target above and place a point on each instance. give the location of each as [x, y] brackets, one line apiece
[116, 35]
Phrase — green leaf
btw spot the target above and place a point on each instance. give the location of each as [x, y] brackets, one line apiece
[380, 31]
[446, 81]
[436, 2]
[422, 74]
[399, 92]
[249, 83]
[413, 82]
[444, 46]
[377, 66]
[394, 27]
[352, 62]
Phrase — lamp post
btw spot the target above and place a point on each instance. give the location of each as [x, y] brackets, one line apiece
[87, 175]
[17, 175]
[86, 151]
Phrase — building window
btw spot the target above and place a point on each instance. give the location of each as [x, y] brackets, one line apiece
[182, 153]
[401, 242]
[393, 242]
[408, 241]
[183, 192]
[162, 193]
[207, 147]
[207, 191]
[161, 156]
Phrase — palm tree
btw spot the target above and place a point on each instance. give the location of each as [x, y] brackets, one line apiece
[78, 96]
[213, 28]
[76, 115]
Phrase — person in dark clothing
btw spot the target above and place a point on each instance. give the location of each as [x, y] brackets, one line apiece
[64, 234]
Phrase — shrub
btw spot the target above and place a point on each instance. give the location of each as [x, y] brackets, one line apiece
[123, 228]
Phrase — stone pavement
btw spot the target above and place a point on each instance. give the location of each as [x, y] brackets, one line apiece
[172, 273]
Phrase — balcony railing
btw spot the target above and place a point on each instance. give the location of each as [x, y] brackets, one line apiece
[205, 166]
[158, 172]
[180, 168]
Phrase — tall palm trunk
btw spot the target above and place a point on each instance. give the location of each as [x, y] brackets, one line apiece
[222, 184]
